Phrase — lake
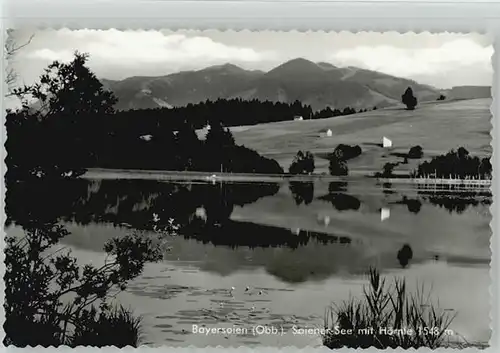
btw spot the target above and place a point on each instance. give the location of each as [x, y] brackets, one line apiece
[289, 249]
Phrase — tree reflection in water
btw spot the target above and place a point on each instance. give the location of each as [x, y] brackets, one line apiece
[303, 192]
[456, 201]
[340, 200]
[405, 254]
[414, 205]
[203, 212]
[148, 205]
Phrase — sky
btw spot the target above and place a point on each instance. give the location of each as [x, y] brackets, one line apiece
[441, 60]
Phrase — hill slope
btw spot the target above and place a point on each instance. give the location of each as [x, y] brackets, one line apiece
[437, 127]
[316, 84]
[468, 92]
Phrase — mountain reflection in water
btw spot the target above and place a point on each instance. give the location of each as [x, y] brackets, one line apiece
[224, 215]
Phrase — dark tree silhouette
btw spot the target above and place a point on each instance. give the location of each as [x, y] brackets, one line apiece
[441, 97]
[65, 94]
[219, 144]
[388, 170]
[69, 87]
[455, 164]
[326, 113]
[188, 147]
[348, 111]
[409, 99]
[219, 136]
[229, 112]
[337, 165]
[415, 152]
[303, 163]
[72, 126]
[347, 152]
[485, 168]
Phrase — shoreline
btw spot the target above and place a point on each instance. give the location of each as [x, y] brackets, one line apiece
[164, 175]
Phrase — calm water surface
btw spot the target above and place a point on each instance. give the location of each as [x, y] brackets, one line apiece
[297, 247]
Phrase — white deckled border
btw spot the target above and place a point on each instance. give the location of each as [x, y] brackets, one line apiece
[271, 15]
[344, 15]
[494, 209]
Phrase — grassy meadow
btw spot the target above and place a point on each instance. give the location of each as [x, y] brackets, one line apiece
[436, 126]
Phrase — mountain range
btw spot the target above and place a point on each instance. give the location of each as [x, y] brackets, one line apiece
[316, 84]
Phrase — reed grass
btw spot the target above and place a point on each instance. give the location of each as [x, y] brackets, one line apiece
[116, 327]
[389, 316]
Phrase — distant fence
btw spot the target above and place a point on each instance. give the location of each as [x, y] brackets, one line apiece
[440, 181]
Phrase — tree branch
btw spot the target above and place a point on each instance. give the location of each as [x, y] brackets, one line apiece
[10, 51]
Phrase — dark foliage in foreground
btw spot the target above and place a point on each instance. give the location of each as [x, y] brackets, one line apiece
[303, 163]
[73, 126]
[383, 306]
[113, 327]
[456, 164]
[50, 299]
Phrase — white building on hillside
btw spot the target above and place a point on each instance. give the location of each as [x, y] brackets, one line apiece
[329, 133]
[384, 214]
[298, 117]
[386, 142]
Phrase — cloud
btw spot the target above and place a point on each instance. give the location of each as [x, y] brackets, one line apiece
[51, 55]
[451, 57]
[114, 54]
[143, 52]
